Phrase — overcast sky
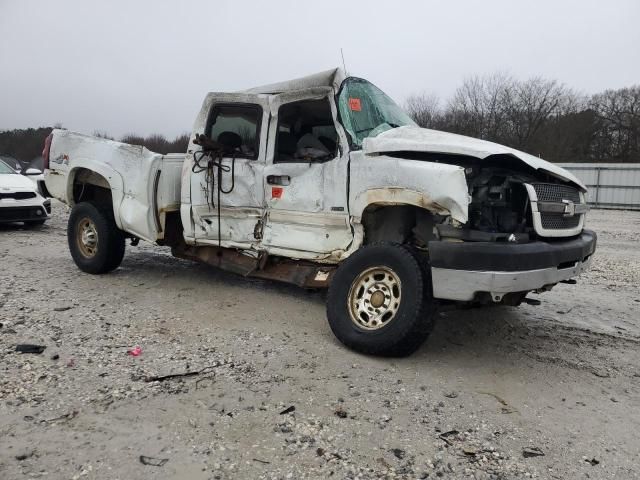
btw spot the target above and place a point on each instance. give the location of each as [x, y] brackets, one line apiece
[144, 66]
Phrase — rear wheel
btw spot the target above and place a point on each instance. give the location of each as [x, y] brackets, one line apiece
[96, 243]
[380, 301]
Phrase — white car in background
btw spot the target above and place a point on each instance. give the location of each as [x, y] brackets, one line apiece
[19, 197]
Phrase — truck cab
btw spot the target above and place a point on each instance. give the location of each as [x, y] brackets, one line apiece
[324, 181]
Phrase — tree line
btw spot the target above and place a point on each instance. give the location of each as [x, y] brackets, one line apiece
[539, 116]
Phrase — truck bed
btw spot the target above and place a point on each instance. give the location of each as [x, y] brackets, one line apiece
[144, 185]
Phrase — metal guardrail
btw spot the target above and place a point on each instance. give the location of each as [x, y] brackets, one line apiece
[623, 195]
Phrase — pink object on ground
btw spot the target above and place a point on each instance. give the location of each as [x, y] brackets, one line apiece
[134, 352]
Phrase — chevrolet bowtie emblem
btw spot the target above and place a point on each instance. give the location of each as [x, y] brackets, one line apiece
[569, 208]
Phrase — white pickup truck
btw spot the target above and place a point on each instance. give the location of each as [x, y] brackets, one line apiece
[324, 181]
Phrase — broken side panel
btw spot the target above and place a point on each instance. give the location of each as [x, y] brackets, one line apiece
[225, 192]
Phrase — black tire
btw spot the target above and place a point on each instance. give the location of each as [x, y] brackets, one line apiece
[106, 252]
[413, 321]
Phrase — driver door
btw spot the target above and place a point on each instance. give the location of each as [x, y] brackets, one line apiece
[306, 198]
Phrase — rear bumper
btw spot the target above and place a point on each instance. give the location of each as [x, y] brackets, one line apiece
[461, 270]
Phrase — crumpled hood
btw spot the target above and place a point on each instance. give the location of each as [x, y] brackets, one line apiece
[10, 182]
[416, 139]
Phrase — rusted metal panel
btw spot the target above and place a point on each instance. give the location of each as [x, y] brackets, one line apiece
[224, 258]
[303, 274]
[298, 273]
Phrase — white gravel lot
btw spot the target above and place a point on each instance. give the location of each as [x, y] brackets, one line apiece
[549, 391]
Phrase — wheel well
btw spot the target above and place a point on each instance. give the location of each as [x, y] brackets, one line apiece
[407, 224]
[89, 186]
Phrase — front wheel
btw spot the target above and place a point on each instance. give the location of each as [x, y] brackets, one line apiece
[95, 242]
[380, 301]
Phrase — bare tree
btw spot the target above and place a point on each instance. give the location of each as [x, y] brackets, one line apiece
[477, 107]
[158, 143]
[424, 109]
[618, 115]
[102, 134]
[521, 114]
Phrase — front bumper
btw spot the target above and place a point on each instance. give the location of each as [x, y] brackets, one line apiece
[462, 270]
[24, 211]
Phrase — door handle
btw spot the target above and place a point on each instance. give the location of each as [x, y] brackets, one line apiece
[283, 180]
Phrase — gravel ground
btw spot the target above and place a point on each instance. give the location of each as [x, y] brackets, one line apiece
[549, 391]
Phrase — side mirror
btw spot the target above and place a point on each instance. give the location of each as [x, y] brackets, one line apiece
[32, 171]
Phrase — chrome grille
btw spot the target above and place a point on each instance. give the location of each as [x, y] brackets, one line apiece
[554, 209]
[551, 192]
[557, 221]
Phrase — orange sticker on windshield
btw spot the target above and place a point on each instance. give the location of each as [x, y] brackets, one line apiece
[354, 104]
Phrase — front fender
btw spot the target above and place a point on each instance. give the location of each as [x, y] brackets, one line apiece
[384, 180]
[400, 196]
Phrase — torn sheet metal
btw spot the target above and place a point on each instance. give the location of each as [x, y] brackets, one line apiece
[384, 180]
[416, 139]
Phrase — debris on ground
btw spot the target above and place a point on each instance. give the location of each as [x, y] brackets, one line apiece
[24, 455]
[506, 408]
[62, 309]
[30, 348]
[156, 462]
[532, 452]
[445, 436]
[172, 376]
[135, 352]
[398, 453]
[64, 417]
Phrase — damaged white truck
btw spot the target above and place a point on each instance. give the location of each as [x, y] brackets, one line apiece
[324, 181]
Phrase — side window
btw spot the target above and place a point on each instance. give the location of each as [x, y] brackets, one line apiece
[306, 132]
[238, 127]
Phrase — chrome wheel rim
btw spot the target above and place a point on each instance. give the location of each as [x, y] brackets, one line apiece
[374, 298]
[87, 237]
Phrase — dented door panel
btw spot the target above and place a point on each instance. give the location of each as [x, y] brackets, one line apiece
[308, 217]
[242, 209]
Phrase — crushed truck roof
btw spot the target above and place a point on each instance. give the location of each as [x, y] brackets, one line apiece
[328, 78]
